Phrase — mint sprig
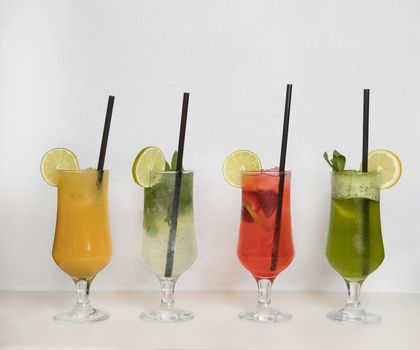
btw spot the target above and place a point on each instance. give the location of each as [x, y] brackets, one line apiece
[174, 160]
[337, 162]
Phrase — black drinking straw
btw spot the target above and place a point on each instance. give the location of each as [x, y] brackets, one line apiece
[365, 149]
[274, 255]
[365, 130]
[105, 134]
[177, 190]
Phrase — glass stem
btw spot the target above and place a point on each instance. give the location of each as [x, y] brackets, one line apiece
[353, 307]
[83, 306]
[167, 298]
[264, 293]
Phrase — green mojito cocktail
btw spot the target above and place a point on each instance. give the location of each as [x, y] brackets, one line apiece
[168, 245]
[156, 224]
[355, 247]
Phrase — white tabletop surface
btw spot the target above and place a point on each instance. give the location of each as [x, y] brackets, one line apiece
[26, 322]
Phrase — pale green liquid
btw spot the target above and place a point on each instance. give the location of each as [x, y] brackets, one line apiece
[154, 241]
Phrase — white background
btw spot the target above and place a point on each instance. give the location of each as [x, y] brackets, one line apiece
[59, 60]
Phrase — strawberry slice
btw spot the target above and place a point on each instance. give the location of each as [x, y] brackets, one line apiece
[246, 216]
[267, 201]
[258, 218]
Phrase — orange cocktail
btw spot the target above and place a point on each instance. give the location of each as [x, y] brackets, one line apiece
[82, 243]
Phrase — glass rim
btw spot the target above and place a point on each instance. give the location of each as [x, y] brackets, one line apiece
[184, 172]
[354, 172]
[81, 171]
[266, 172]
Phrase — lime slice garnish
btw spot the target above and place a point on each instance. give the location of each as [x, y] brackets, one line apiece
[350, 215]
[387, 164]
[239, 161]
[150, 159]
[57, 159]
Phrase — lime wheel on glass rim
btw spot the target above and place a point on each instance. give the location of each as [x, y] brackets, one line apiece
[150, 159]
[238, 162]
[387, 165]
[57, 159]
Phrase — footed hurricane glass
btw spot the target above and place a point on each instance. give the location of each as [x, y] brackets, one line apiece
[82, 241]
[168, 259]
[354, 247]
[260, 250]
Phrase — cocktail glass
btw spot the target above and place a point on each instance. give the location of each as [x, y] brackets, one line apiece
[354, 247]
[82, 242]
[158, 201]
[260, 250]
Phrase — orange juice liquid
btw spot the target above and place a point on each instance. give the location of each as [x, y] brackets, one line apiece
[82, 243]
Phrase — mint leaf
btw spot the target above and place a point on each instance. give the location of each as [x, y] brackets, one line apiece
[150, 215]
[326, 158]
[337, 162]
[174, 160]
[167, 166]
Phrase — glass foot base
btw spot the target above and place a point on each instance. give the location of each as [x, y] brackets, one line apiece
[349, 317]
[72, 317]
[167, 315]
[265, 315]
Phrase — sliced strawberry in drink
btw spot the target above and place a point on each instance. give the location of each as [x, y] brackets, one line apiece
[267, 201]
[250, 197]
[250, 206]
[258, 217]
[246, 216]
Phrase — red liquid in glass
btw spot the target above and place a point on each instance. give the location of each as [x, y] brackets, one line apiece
[256, 233]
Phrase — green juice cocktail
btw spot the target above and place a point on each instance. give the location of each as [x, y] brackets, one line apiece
[355, 247]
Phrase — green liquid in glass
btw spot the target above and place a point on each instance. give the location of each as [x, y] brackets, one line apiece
[355, 247]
